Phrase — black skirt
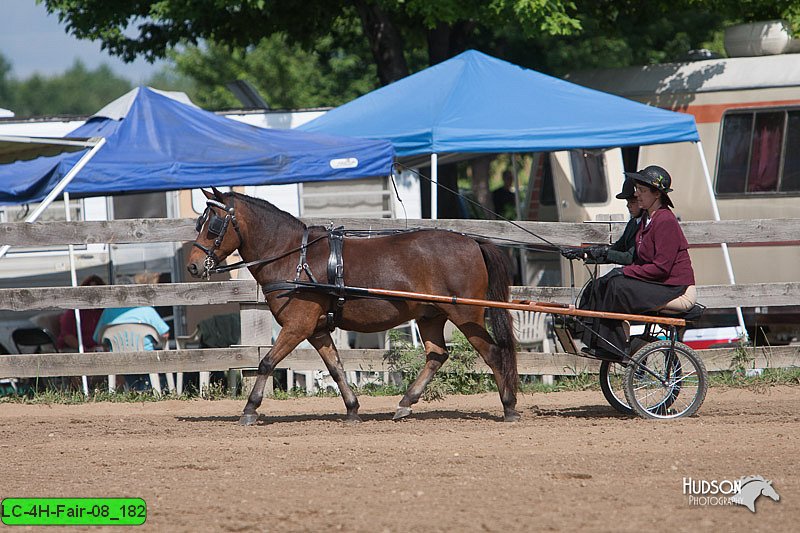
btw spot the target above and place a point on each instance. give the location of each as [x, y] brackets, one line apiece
[617, 293]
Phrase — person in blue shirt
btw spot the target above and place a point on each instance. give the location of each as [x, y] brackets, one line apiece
[134, 315]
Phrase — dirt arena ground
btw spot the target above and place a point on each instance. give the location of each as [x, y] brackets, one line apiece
[571, 464]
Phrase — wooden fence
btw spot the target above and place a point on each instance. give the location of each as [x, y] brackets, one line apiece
[256, 319]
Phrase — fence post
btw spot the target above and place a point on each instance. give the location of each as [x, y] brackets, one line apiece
[256, 330]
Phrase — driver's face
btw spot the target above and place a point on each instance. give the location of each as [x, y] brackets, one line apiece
[633, 207]
[647, 197]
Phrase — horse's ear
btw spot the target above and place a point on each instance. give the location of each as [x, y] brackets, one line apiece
[217, 194]
[208, 195]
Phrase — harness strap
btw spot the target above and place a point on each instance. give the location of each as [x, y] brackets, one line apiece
[242, 264]
[336, 274]
[302, 265]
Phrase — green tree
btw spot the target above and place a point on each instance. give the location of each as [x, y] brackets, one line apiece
[286, 75]
[400, 36]
[150, 28]
[76, 92]
[5, 83]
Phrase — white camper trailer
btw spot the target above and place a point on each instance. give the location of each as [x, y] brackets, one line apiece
[747, 111]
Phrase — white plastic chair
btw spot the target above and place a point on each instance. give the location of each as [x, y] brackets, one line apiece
[531, 330]
[182, 342]
[131, 338]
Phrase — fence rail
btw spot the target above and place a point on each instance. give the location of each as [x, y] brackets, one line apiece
[247, 293]
[149, 230]
[195, 360]
[217, 292]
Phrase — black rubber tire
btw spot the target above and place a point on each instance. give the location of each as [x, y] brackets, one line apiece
[612, 383]
[683, 393]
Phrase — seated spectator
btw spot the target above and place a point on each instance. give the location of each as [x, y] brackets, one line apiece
[134, 315]
[68, 329]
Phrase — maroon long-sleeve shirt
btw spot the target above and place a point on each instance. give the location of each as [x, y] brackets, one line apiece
[661, 252]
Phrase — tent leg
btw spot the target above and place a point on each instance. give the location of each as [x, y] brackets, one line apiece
[59, 188]
[726, 255]
[74, 278]
[434, 186]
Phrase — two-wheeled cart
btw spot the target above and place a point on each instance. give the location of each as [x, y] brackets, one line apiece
[662, 378]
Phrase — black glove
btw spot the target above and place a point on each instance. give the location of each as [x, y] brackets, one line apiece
[573, 253]
[597, 253]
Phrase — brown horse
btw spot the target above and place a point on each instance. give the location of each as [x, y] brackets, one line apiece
[430, 261]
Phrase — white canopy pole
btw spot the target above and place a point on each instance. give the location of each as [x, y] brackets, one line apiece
[57, 190]
[74, 279]
[726, 255]
[523, 253]
[434, 187]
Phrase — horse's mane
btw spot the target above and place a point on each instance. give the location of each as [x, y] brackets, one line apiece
[262, 205]
[745, 480]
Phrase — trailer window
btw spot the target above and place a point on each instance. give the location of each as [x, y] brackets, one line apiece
[791, 163]
[734, 153]
[765, 155]
[753, 154]
[588, 170]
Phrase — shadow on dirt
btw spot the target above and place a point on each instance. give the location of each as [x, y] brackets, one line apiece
[586, 411]
[264, 419]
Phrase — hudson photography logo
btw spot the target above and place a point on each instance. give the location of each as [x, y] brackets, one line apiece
[744, 491]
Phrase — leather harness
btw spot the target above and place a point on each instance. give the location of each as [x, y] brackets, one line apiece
[336, 275]
[335, 272]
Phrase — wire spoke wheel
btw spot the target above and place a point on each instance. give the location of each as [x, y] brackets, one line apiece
[612, 383]
[664, 383]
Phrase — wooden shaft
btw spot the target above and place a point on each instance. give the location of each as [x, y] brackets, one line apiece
[556, 309]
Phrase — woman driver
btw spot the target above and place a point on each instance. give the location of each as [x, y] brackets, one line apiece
[660, 277]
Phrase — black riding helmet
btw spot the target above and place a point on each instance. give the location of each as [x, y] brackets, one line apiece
[628, 190]
[655, 177]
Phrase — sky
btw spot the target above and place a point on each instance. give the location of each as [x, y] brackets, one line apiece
[34, 42]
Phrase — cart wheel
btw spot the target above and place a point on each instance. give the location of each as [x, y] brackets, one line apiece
[662, 383]
[612, 383]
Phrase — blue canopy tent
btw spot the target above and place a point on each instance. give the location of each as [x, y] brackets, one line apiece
[163, 144]
[476, 103]
[148, 141]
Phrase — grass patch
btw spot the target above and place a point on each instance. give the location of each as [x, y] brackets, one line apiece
[462, 382]
[457, 376]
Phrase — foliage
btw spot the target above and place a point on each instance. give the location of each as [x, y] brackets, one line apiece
[741, 361]
[456, 377]
[582, 381]
[76, 92]
[349, 47]
[756, 382]
[286, 75]
[392, 29]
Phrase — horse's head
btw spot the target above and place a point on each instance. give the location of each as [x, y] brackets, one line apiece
[769, 491]
[215, 241]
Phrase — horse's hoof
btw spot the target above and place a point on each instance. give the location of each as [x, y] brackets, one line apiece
[248, 419]
[401, 413]
[352, 420]
[511, 416]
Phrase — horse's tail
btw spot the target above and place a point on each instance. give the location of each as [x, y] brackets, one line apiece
[498, 266]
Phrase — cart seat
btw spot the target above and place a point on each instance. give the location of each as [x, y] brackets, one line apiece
[691, 315]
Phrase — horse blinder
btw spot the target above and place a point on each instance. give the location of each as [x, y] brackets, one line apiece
[201, 220]
[216, 224]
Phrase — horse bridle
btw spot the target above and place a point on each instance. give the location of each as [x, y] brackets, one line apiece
[217, 226]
